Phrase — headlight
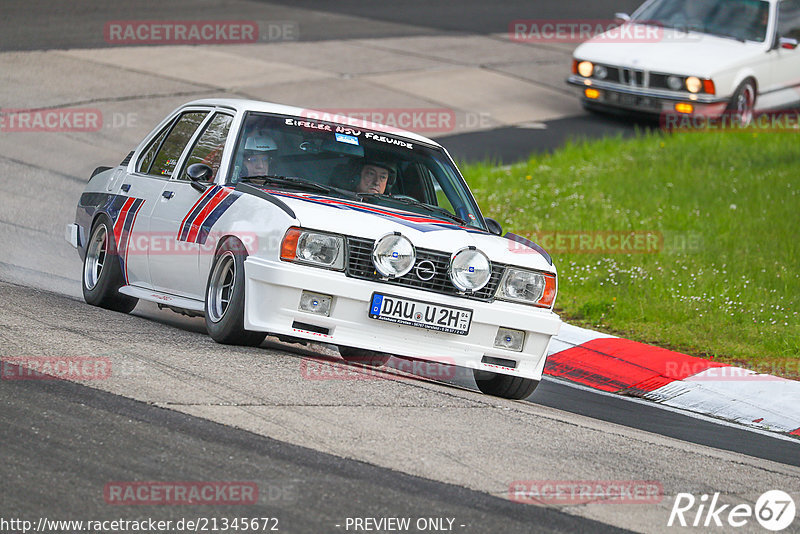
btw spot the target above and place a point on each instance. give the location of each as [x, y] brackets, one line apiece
[528, 287]
[313, 248]
[693, 84]
[675, 83]
[585, 68]
[600, 72]
[470, 269]
[393, 255]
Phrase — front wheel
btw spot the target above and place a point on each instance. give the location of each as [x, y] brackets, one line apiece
[743, 103]
[102, 271]
[225, 298]
[506, 386]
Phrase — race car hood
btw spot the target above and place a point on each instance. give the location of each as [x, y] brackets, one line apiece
[370, 221]
[672, 52]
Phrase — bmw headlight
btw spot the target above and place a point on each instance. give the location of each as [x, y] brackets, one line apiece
[585, 68]
[528, 287]
[693, 84]
[393, 255]
[470, 269]
[314, 248]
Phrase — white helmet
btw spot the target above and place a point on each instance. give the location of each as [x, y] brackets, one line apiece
[260, 143]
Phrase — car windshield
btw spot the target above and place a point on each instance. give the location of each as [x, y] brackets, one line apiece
[345, 161]
[743, 20]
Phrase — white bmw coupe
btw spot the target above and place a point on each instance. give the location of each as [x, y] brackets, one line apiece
[695, 57]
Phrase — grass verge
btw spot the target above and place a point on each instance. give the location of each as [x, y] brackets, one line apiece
[716, 272]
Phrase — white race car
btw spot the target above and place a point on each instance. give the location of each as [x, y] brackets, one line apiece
[695, 58]
[267, 221]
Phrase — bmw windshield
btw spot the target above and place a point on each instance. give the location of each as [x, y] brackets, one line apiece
[743, 20]
[346, 161]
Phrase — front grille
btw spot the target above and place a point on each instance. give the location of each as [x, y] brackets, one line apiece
[359, 265]
[633, 77]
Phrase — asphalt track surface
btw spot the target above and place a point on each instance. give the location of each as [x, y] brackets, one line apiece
[63, 441]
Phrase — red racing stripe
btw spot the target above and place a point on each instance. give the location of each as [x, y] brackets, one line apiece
[207, 209]
[621, 365]
[795, 432]
[191, 210]
[120, 222]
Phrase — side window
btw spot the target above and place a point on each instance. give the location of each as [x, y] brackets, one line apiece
[789, 19]
[208, 149]
[147, 157]
[172, 147]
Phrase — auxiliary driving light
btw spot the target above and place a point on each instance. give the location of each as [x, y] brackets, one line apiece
[592, 94]
[683, 107]
[315, 303]
[393, 255]
[509, 339]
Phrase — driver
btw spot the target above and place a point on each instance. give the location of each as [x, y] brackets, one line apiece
[375, 177]
[257, 155]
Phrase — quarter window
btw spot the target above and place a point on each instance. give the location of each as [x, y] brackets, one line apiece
[208, 149]
[176, 140]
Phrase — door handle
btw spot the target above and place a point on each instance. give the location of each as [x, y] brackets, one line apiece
[167, 194]
[126, 187]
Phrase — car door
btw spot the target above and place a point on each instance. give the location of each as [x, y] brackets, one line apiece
[184, 216]
[784, 88]
[135, 191]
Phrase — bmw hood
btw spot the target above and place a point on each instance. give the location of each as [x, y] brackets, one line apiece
[370, 221]
[671, 52]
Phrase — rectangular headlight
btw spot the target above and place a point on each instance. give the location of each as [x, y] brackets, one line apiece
[313, 248]
[528, 287]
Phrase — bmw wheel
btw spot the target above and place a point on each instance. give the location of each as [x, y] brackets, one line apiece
[743, 102]
[224, 304]
[102, 270]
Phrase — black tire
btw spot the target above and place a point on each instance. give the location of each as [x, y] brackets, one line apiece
[505, 386]
[370, 358]
[743, 102]
[102, 272]
[224, 302]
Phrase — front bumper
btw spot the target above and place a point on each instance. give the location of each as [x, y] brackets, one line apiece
[645, 100]
[272, 297]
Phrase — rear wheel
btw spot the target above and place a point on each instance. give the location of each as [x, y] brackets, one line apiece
[506, 386]
[369, 358]
[102, 271]
[225, 297]
[743, 103]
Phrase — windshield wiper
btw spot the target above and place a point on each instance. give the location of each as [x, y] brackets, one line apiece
[414, 202]
[290, 181]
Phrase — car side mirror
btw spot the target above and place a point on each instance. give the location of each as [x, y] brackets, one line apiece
[493, 226]
[200, 174]
[621, 18]
[788, 43]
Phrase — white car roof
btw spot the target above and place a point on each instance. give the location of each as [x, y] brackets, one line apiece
[242, 105]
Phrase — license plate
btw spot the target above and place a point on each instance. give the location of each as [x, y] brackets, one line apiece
[411, 312]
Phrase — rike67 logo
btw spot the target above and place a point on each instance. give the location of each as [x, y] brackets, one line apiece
[774, 510]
